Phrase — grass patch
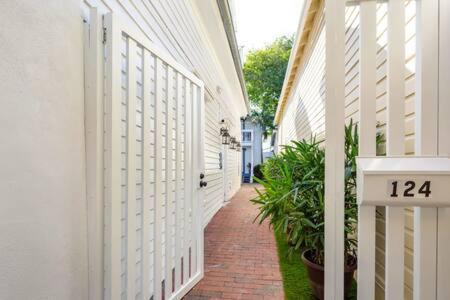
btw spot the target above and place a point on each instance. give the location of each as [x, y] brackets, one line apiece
[295, 277]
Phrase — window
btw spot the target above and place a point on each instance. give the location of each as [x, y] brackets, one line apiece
[247, 136]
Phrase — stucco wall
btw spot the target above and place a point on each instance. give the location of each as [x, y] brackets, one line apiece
[43, 245]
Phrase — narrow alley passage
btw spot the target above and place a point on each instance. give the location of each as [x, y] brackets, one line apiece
[240, 256]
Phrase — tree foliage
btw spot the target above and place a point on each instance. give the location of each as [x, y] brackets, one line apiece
[264, 72]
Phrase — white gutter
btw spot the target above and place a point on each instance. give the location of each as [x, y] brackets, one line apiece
[227, 20]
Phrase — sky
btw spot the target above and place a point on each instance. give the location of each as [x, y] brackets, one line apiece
[259, 22]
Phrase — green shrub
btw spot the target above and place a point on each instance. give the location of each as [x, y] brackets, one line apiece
[257, 172]
[293, 194]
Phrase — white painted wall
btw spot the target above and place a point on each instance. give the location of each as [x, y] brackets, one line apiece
[42, 173]
[43, 215]
[192, 32]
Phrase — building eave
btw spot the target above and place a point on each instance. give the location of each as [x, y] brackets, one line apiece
[309, 13]
[227, 20]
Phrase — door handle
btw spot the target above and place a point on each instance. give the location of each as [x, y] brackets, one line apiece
[203, 183]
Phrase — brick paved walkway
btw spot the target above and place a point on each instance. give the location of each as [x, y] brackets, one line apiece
[240, 256]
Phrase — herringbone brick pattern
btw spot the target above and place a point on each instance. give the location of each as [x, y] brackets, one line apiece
[240, 256]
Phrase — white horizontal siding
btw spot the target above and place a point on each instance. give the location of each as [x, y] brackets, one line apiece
[173, 26]
[214, 192]
[305, 116]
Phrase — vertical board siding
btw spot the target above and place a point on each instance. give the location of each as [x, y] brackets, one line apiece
[304, 112]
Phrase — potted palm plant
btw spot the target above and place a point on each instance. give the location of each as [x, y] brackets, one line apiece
[293, 199]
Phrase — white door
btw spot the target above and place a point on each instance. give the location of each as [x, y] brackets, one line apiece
[153, 158]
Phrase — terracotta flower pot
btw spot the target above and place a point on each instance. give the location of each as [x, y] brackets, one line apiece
[316, 275]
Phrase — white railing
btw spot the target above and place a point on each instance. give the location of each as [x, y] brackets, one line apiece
[432, 138]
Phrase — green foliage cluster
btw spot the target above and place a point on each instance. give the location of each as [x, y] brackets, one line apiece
[257, 172]
[264, 72]
[293, 194]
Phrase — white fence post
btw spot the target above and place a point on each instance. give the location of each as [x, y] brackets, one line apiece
[146, 157]
[367, 146]
[187, 180]
[334, 149]
[179, 194]
[426, 109]
[395, 145]
[443, 271]
[94, 128]
[112, 162]
[159, 86]
[170, 186]
[131, 180]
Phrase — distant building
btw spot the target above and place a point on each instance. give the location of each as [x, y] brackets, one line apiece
[255, 148]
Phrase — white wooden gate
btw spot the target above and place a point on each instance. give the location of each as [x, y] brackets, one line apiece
[432, 109]
[153, 160]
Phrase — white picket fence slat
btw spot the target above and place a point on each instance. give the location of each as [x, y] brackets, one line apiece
[334, 149]
[367, 146]
[431, 237]
[426, 143]
[443, 266]
[395, 132]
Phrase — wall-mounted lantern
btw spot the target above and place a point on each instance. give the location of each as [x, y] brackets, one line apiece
[224, 133]
[225, 137]
[232, 143]
[223, 130]
[238, 146]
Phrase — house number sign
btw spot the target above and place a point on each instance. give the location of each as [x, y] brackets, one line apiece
[403, 181]
[409, 188]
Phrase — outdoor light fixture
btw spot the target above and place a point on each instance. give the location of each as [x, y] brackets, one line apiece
[224, 133]
[233, 143]
[238, 146]
[223, 130]
[225, 137]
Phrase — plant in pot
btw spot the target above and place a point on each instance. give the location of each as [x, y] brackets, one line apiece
[293, 199]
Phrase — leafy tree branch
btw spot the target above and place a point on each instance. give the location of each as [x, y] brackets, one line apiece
[264, 71]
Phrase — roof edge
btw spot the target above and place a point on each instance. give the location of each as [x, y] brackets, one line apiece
[227, 20]
[309, 10]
